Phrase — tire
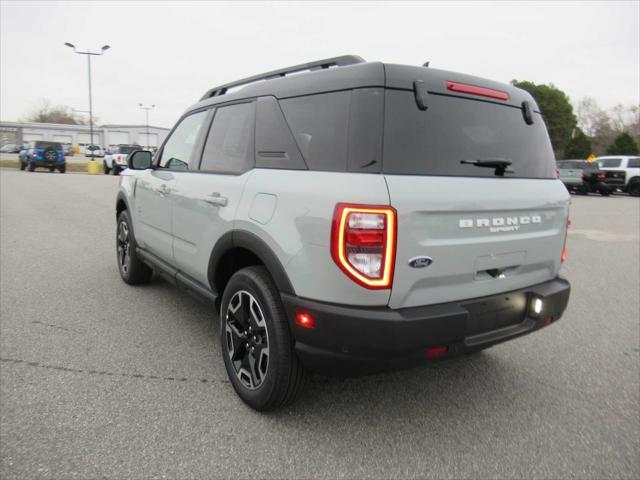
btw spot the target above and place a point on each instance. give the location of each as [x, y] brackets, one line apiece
[23, 165]
[62, 168]
[115, 170]
[32, 166]
[605, 193]
[52, 169]
[105, 169]
[273, 383]
[132, 270]
[634, 189]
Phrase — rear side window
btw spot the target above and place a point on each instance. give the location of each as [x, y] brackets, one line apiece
[320, 125]
[452, 129]
[634, 162]
[228, 148]
[610, 162]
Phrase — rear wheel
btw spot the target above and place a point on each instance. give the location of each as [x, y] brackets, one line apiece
[257, 345]
[116, 170]
[62, 168]
[32, 166]
[132, 270]
[23, 165]
[634, 189]
[105, 169]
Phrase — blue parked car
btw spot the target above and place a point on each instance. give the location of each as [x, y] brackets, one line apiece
[44, 154]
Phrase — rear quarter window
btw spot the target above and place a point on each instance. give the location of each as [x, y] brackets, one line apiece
[320, 125]
[634, 162]
[452, 129]
[610, 162]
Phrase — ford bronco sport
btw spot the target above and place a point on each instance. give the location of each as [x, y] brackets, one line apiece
[351, 219]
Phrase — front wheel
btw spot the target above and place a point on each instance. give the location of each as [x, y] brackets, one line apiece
[132, 270]
[257, 346]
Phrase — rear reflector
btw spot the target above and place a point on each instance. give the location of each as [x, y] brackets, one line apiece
[305, 320]
[433, 352]
[475, 90]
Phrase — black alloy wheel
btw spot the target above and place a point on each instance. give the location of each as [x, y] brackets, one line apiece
[247, 339]
[123, 246]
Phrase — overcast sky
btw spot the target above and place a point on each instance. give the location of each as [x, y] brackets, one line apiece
[169, 54]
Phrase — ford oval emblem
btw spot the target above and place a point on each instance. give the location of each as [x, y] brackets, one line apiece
[420, 262]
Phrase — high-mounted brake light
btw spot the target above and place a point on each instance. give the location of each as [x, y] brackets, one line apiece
[476, 90]
[363, 243]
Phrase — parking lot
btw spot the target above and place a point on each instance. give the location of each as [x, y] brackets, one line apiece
[101, 379]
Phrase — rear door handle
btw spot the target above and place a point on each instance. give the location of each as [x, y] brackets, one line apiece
[216, 199]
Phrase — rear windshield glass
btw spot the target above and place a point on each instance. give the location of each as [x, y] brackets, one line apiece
[128, 148]
[452, 129]
[54, 145]
[610, 162]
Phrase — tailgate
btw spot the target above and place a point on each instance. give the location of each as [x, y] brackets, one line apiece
[570, 175]
[484, 236]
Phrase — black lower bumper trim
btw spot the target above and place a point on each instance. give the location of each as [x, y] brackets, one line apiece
[349, 340]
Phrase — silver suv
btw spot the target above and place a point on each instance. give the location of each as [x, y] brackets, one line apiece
[348, 217]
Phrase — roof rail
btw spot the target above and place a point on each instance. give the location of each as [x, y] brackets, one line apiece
[317, 65]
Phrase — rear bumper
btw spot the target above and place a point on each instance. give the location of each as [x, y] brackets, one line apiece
[349, 340]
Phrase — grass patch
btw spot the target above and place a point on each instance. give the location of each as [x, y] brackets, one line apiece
[71, 167]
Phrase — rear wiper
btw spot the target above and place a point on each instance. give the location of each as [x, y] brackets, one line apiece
[500, 164]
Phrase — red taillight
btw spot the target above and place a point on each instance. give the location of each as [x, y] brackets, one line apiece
[433, 352]
[363, 243]
[34, 154]
[305, 320]
[476, 90]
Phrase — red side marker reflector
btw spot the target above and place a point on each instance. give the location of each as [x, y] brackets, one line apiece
[305, 320]
[433, 352]
[475, 90]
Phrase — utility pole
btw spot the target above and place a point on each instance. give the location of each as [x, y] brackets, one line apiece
[146, 109]
[89, 54]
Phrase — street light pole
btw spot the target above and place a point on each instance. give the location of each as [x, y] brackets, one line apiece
[146, 109]
[89, 54]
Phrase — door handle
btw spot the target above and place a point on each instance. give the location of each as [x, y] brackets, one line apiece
[164, 190]
[216, 199]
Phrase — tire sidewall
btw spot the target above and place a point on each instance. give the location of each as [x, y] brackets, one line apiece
[277, 365]
[124, 217]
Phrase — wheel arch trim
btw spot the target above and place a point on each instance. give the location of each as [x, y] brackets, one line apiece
[257, 246]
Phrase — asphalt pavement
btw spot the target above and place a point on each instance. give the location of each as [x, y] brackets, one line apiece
[102, 380]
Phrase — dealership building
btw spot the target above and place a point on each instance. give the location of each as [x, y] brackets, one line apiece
[104, 135]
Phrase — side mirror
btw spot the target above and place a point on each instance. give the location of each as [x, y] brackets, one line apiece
[139, 160]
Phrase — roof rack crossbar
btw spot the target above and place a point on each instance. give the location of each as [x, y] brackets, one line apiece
[317, 65]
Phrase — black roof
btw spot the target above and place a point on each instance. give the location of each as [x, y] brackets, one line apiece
[349, 72]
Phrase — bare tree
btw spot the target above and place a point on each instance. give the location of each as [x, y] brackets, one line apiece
[45, 112]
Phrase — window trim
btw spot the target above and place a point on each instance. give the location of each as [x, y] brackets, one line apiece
[251, 164]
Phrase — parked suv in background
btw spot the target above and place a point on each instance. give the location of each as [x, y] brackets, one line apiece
[623, 172]
[351, 219]
[44, 154]
[583, 177]
[93, 151]
[116, 160]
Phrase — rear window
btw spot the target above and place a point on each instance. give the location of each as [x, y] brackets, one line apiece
[452, 129]
[610, 162]
[54, 145]
[128, 148]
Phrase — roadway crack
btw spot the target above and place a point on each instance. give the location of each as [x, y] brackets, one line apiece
[107, 373]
